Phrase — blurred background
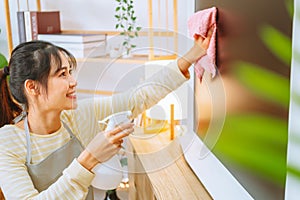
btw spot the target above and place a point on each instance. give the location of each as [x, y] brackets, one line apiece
[254, 56]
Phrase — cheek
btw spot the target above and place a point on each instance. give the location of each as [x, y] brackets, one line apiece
[58, 85]
[57, 89]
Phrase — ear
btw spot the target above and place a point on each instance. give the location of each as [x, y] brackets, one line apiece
[31, 87]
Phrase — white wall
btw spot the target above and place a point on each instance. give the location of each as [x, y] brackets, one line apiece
[292, 181]
[3, 45]
[95, 15]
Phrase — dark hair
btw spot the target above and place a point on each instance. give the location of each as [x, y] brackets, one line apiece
[30, 60]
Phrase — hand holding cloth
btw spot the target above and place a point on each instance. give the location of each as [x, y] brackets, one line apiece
[199, 24]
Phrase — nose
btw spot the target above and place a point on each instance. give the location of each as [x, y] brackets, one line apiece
[72, 81]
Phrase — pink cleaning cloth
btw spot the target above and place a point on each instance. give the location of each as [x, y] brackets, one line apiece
[199, 24]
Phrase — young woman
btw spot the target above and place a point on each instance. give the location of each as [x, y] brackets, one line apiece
[49, 141]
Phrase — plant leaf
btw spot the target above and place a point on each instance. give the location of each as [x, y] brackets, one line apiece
[264, 83]
[293, 171]
[257, 142]
[126, 19]
[3, 61]
[290, 7]
[277, 42]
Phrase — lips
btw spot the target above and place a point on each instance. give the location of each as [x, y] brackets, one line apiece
[71, 95]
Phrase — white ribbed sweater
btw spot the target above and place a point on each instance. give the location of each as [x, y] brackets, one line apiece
[73, 184]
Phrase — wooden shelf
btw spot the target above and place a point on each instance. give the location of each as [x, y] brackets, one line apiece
[107, 59]
[156, 33]
[135, 59]
[149, 33]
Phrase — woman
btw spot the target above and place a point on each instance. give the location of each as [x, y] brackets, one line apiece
[49, 142]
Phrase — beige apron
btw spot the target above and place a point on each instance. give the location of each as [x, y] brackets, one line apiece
[46, 172]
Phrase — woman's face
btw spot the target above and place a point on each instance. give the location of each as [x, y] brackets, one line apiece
[61, 93]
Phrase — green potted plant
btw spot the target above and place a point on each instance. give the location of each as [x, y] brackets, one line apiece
[3, 60]
[126, 22]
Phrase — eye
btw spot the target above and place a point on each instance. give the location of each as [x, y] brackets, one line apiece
[63, 73]
[70, 71]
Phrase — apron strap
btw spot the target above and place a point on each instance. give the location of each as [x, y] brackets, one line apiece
[28, 142]
[71, 133]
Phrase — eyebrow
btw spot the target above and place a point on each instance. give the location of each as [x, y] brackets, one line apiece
[61, 68]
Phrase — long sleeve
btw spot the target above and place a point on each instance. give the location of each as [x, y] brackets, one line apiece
[151, 90]
[15, 181]
[136, 99]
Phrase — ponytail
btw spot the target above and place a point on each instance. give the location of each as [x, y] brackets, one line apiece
[9, 109]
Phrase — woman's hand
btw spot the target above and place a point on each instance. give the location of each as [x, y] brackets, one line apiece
[196, 52]
[104, 146]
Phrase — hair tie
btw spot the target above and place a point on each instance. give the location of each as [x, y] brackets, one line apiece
[6, 71]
